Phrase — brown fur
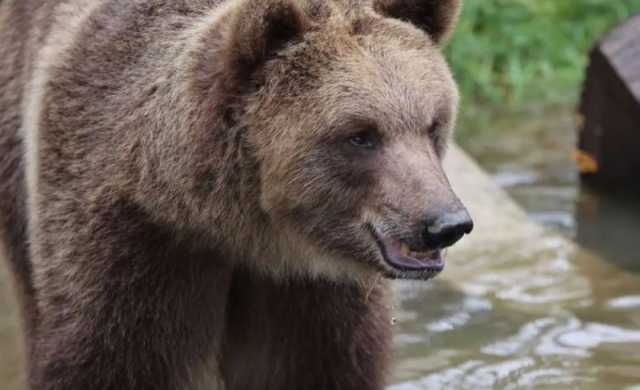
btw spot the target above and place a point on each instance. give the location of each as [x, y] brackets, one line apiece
[179, 204]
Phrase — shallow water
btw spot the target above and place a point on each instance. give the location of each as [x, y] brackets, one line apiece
[524, 314]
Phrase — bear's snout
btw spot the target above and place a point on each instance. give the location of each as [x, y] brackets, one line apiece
[413, 231]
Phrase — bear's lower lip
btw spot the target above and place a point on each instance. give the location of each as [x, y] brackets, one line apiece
[398, 255]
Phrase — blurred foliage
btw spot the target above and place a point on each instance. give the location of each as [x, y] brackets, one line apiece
[512, 52]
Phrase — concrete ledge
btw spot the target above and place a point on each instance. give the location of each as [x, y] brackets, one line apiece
[498, 219]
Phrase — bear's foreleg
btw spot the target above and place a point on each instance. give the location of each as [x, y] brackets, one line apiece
[124, 305]
[306, 334]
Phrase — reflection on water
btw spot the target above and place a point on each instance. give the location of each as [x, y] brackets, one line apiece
[610, 225]
[532, 315]
[543, 319]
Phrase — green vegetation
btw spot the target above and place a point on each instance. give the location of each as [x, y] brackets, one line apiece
[508, 52]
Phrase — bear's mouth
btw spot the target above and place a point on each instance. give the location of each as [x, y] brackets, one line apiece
[409, 263]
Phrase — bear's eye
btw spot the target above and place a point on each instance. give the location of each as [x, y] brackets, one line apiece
[364, 140]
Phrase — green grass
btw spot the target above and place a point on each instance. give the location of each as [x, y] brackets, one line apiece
[514, 53]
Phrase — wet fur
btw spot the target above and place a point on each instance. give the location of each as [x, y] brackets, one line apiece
[134, 190]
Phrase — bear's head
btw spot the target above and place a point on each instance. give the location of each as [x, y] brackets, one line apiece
[336, 115]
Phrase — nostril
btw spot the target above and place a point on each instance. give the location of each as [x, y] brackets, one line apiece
[467, 227]
[448, 229]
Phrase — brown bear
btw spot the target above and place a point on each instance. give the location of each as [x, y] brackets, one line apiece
[204, 194]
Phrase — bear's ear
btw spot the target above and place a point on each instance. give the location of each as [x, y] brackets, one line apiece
[436, 17]
[260, 28]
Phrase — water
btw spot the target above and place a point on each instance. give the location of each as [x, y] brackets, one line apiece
[523, 314]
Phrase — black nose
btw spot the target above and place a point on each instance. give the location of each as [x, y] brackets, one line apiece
[447, 229]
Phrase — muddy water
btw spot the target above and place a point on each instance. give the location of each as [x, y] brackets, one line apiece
[515, 317]
[10, 356]
[522, 314]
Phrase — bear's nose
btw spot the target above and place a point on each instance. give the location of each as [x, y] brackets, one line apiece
[447, 229]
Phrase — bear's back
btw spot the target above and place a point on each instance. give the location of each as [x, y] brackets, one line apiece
[28, 26]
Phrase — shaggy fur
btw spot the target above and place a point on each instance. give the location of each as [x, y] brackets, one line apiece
[180, 203]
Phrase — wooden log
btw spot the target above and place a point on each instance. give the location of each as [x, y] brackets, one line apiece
[609, 119]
